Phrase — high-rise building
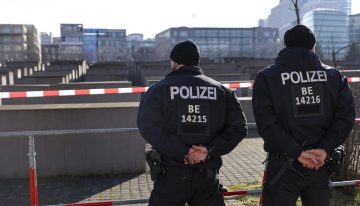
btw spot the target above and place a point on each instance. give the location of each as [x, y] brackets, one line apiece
[140, 49]
[331, 30]
[354, 28]
[93, 45]
[104, 45]
[71, 46]
[19, 42]
[50, 50]
[46, 38]
[341, 5]
[111, 45]
[219, 43]
[90, 44]
[283, 15]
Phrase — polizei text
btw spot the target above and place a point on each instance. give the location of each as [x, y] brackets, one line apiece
[297, 77]
[193, 92]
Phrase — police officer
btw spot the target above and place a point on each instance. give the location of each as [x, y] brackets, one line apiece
[303, 110]
[191, 120]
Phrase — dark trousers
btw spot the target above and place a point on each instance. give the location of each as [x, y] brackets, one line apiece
[313, 188]
[197, 187]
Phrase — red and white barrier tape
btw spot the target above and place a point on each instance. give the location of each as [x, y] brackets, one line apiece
[106, 203]
[238, 85]
[242, 192]
[126, 90]
[75, 92]
[89, 204]
[353, 79]
[83, 92]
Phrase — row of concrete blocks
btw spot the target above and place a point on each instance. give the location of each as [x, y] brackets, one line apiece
[75, 74]
[8, 76]
[28, 75]
[76, 154]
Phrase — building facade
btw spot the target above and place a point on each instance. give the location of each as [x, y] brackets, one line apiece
[140, 49]
[46, 38]
[90, 44]
[219, 43]
[331, 30]
[50, 51]
[354, 28]
[19, 42]
[283, 15]
[341, 5]
[71, 45]
[111, 45]
[93, 45]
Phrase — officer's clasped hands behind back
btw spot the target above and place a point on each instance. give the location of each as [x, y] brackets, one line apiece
[313, 159]
[197, 154]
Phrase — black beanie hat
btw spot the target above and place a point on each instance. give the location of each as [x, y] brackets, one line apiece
[186, 53]
[300, 36]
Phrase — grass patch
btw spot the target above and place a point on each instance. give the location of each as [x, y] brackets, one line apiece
[338, 197]
[247, 200]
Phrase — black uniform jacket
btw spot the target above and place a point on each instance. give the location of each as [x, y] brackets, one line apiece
[187, 108]
[299, 98]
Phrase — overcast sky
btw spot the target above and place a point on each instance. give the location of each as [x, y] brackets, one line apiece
[148, 17]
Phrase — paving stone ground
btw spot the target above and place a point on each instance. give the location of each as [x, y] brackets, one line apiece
[242, 165]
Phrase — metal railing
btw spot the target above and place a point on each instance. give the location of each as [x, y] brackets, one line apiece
[227, 195]
[34, 195]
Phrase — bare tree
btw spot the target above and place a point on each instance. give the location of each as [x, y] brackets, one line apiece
[319, 51]
[297, 11]
[353, 54]
[334, 53]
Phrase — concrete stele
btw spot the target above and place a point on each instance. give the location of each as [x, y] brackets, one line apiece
[11, 78]
[26, 71]
[18, 73]
[3, 80]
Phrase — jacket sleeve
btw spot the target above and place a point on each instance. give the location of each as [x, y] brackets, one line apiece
[152, 124]
[343, 119]
[234, 131]
[274, 135]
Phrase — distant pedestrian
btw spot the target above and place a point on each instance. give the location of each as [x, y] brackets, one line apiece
[303, 110]
[190, 120]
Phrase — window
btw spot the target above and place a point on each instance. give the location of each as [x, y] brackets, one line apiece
[17, 47]
[17, 29]
[5, 29]
[235, 33]
[212, 32]
[6, 39]
[7, 48]
[17, 39]
[184, 33]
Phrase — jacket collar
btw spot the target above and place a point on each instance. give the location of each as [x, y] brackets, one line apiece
[298, 58]
[187, 70]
